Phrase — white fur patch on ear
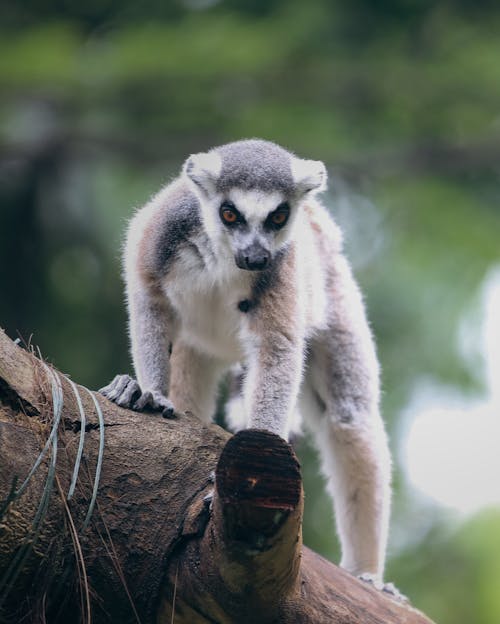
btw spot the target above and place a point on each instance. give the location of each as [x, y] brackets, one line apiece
[309, 175]
[203, 169]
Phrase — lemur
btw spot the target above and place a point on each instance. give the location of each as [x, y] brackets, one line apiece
[236, 263]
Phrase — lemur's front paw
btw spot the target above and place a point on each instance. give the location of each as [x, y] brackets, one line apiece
[388, 588]
[126, 392]
[123, 390]
[156, 401]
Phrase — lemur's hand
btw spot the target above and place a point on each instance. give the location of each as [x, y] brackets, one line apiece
[126, 392]
[155, 401]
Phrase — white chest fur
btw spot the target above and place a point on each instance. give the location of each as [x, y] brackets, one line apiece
[205, 296]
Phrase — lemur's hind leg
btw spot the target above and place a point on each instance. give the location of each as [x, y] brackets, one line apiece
[349, 434]
[194, 380]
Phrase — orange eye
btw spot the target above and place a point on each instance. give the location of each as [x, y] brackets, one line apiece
[278, 218]
[229, 216]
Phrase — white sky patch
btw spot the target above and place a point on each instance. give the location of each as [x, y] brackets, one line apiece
[452, 449]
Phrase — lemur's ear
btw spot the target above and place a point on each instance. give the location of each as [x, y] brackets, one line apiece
[203, 169]
[309, 175]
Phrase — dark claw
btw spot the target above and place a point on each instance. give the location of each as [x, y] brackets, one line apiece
[168, 412]
[127, 396]
[144, 400]
[131, 393]
[134, 396]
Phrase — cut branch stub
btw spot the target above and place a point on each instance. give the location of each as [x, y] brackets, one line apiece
[259, 467]
[258, 492]
[251, 550]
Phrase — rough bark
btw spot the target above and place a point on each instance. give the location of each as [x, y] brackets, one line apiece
[153, 545]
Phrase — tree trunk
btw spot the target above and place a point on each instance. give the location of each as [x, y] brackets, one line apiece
[136, 541]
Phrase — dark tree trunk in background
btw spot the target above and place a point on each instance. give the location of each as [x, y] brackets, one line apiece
[152, 544]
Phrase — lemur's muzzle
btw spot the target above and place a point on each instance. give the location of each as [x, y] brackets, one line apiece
[255, 257]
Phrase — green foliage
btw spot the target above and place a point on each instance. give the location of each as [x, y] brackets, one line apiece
[101, 102]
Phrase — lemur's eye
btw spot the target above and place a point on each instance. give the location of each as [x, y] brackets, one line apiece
[229, 214]
[279, 217]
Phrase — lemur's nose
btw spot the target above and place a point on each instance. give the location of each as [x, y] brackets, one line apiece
[253, 258]
[256, 265]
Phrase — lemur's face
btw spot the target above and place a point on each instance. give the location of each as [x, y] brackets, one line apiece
[250, 196]
[256, 225]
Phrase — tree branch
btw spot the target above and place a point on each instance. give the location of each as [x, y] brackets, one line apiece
[152, 545]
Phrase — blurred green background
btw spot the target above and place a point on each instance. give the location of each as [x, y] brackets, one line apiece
[100, 103]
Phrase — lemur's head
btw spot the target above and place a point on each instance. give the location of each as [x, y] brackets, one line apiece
[250, 194]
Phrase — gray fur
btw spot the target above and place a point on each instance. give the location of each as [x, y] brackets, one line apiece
[255, 164]
[296, 331]
[174, 231]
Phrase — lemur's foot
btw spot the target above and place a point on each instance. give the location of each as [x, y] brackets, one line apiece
[208, 499]
[126, 392]
[387, 588]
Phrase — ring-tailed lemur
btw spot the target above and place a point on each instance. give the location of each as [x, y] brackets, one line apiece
[236, 262]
